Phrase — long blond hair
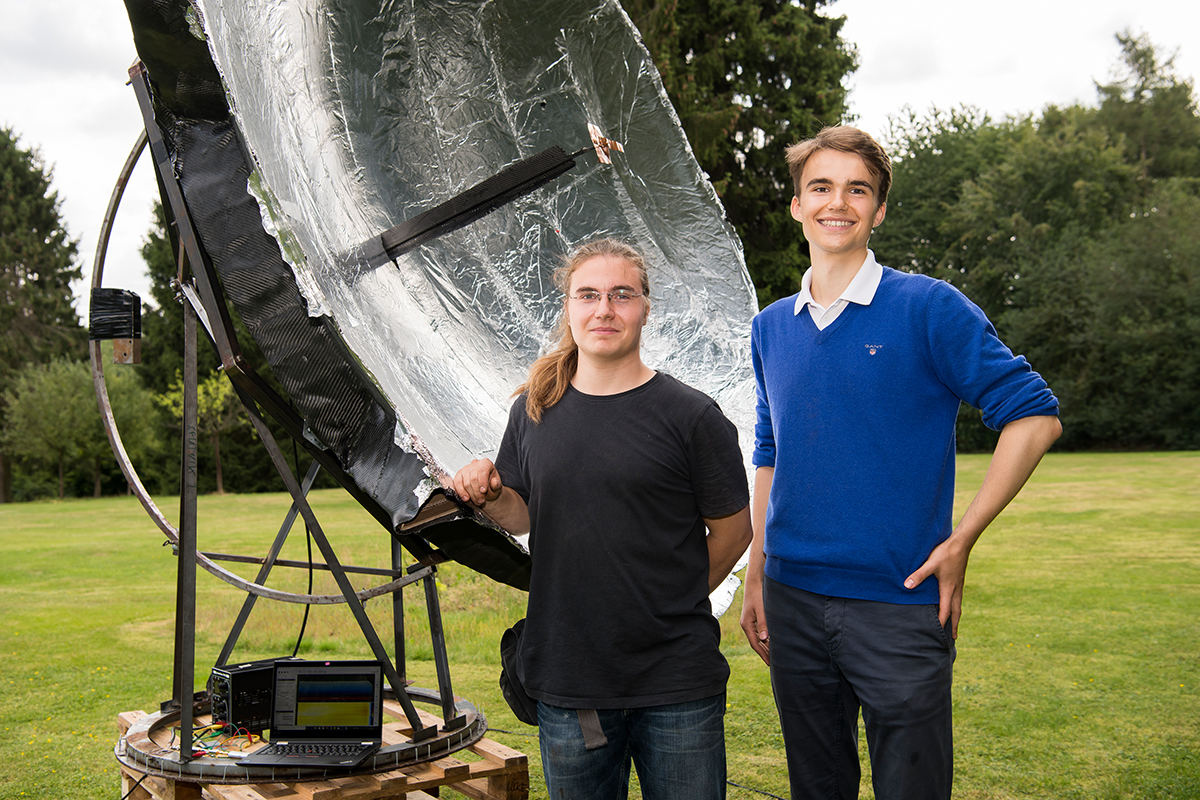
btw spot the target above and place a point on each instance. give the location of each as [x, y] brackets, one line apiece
[552, 373]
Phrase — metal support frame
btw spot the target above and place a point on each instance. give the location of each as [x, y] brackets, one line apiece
[185, 584]
[271, 559]
[420, 731]
[204, 304]
[439, 654]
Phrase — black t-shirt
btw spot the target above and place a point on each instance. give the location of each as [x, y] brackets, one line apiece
[617, 488]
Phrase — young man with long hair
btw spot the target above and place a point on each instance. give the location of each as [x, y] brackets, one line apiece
[633, 490]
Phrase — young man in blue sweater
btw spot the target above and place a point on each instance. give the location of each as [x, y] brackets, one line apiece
[854, 588]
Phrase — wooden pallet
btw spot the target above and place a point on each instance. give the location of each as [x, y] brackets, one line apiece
[500, 773]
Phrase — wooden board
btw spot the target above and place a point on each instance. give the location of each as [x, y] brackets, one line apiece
[486, 770]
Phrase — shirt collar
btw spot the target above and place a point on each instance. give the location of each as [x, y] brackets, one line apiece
[861, 289]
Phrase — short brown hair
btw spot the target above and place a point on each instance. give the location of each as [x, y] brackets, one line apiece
[846, 140]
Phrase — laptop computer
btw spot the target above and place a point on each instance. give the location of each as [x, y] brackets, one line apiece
[323, 714]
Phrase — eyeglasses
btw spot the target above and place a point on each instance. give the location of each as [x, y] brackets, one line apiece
[620, 297]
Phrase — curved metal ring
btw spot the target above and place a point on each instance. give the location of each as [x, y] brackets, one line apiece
[118, 447]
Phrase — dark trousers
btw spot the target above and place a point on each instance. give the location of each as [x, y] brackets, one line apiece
[831, 656]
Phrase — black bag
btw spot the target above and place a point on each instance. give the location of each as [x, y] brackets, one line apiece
[521, 704]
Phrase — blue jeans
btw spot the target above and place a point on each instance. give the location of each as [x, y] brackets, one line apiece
[678, 750]
[831, 656]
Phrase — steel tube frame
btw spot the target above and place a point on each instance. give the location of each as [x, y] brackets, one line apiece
[185, 585]
[201, 296]
[420, 731]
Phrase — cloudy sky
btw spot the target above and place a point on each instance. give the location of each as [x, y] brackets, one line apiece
[64, 65]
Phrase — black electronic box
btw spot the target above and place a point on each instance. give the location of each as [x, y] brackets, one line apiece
[241, 694]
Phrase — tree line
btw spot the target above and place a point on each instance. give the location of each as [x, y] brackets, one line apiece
[1076, 230]
[1073, 228]
[52, 438]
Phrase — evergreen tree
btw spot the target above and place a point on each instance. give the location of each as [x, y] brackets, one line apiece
[748, 78]
[1153, 109]
[38, 261]
[162, 319]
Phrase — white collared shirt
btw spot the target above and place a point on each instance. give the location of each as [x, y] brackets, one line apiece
[861, 290]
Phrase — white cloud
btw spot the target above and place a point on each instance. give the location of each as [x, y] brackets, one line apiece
[63, 72]
[1006, 58]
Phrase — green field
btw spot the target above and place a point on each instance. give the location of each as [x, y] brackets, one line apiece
[1078, 672]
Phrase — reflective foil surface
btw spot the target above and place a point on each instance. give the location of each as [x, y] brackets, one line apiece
[362, 115]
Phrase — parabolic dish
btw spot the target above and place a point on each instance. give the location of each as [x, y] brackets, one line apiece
[358, 116]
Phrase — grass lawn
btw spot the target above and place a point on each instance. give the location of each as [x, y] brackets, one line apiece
[1078, 672]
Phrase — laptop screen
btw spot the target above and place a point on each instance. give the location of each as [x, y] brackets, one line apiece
[328, 700]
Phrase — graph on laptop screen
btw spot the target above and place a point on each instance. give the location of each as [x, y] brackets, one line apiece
[326, 697]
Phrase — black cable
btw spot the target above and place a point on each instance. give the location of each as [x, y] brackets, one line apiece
[135, 786]
[307, 606]
[756, 791]
[513, 733]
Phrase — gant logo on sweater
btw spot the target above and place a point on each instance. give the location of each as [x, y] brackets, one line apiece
[873, 348]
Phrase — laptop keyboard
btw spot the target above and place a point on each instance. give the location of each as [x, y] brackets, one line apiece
[315, 750]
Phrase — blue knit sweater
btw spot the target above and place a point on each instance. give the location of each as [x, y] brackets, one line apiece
[858, 422]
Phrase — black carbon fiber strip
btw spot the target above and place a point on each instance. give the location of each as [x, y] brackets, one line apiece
[478, 201]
